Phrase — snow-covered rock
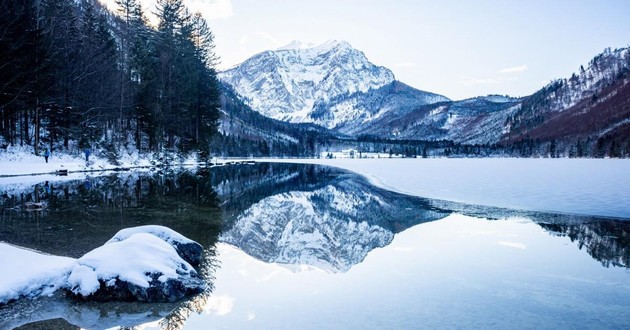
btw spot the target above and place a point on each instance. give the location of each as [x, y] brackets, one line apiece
[137, 264]
[152, 271]
[186, 248]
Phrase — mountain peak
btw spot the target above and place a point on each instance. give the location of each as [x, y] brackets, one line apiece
[293, 82]
[297, 44]
[318, 48]
[331, 44]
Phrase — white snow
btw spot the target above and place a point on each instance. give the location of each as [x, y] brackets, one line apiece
[29, 273]
[166, 234]
[18, 160]
[286, 84]
[129, 256]
[296, 44]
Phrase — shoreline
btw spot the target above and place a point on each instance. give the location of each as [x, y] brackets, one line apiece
[596, 187]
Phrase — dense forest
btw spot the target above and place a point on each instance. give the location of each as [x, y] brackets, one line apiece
[74, 76]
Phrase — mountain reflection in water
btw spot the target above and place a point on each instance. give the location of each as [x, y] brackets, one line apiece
[297, 216]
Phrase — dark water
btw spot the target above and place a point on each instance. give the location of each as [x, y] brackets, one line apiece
[315, 247]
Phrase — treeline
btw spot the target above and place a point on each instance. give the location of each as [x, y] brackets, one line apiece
[555, 148]
[74, 75]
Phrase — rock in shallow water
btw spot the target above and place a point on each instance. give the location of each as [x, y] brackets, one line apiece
[188, 249]
[139, 267]
[158, 291]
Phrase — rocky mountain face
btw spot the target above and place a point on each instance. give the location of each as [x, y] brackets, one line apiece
[332, 85]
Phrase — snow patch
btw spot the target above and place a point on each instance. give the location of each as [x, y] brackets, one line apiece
[28, 273]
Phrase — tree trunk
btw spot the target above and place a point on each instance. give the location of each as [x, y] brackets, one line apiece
[36, 132]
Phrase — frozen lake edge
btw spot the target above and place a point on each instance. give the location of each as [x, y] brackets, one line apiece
[596, 187]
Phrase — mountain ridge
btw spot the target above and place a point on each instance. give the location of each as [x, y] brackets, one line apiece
[320, 84]
[586, 114]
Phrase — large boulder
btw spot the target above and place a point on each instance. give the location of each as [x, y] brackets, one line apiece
[141, 267]
[188, 249]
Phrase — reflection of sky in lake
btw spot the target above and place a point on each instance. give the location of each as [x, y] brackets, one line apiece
[455, 272]
[314, 247]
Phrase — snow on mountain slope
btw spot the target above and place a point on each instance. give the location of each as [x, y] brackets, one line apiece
[601, 71]
[285, 84]
[350, 115]
[478, 120]
[335, 86]
[331, 84]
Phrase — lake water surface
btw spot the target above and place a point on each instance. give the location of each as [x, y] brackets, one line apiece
[309, 246]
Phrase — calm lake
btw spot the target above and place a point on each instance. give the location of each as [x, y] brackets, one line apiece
[314, 247]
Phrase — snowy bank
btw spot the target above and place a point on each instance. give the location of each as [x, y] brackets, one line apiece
[20, 161]
[142, 266]
[27, 273]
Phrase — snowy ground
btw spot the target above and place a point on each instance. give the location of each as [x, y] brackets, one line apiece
[19, 161]
[33, 273]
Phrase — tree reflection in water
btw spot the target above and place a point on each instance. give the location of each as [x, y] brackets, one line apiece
[606, 241]
[177, 318]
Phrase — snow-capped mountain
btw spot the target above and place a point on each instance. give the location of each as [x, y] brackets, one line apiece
[331, 228]
[333, 85]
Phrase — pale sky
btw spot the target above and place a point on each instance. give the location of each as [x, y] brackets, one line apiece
[459, 49]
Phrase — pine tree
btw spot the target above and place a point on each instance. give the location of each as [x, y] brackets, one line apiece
[130, 12]
[19, 66]
[172, 15]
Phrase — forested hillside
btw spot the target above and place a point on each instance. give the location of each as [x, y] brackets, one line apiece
[587, 115]
[245, 133]
[74, 75]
